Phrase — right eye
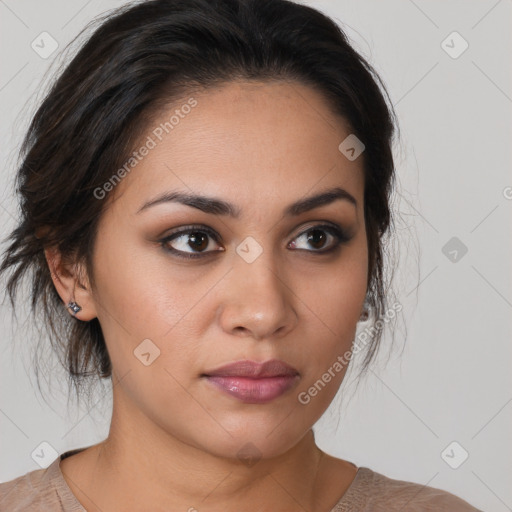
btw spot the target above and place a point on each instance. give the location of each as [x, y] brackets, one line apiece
[192, 237]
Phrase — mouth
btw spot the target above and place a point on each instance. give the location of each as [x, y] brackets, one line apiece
[252, 382]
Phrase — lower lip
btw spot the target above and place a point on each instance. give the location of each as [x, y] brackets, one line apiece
[254, 391]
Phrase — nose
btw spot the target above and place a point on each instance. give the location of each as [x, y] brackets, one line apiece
[258, 300]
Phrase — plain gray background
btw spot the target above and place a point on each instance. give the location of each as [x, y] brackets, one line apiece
[452, 382]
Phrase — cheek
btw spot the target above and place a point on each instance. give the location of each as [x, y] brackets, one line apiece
[334, 298]
[140, 293]
[340, 296]
[146, 305]
[336, 293]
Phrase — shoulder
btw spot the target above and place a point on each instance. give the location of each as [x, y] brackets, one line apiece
[379, 493]
[43, 490]
[25, 491]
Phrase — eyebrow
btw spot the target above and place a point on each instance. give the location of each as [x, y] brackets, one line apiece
[218, 206]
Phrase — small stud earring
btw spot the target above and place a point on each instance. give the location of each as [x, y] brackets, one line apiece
[365, 314]
[75, 308]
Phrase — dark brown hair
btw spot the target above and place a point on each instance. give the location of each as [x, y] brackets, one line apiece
[146, 55]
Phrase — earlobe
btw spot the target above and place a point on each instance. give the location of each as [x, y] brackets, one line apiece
[66, 277]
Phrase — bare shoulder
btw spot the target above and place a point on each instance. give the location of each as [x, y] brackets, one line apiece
[388, 494]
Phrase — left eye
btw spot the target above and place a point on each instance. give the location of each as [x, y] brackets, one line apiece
[197, 239]
[317, 238]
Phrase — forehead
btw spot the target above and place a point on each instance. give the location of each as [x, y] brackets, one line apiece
[251, 138]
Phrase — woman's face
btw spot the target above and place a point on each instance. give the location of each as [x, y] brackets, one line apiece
[269, 283]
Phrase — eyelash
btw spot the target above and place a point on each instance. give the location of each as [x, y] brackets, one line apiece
[340, 236]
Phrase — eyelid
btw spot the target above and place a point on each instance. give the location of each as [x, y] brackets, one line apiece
[319, 224]
[192, 227]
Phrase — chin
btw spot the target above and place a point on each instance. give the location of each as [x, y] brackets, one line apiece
[252, 444]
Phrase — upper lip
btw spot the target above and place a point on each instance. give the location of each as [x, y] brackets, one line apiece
[246, 368]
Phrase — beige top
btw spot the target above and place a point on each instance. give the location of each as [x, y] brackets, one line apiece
[46, 490]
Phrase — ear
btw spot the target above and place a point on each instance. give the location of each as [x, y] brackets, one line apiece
[70, 281]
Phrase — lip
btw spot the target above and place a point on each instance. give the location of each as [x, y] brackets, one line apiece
[254, 391]
[253, 382]
[254, 370]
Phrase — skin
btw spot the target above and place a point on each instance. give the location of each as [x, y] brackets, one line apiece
[174, 438]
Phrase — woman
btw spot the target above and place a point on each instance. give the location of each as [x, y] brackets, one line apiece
[204, 190]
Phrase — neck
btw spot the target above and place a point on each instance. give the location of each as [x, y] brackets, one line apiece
[158, 468]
